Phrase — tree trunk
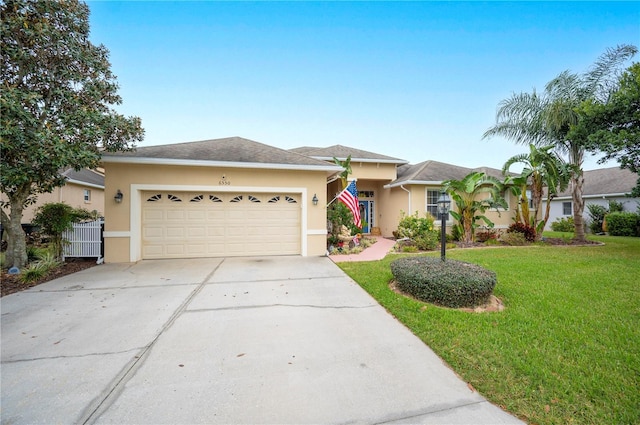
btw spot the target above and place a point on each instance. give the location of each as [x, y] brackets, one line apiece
[536, 197]
[467, 218]
[577, 181]
[16, 244]
[547, 212]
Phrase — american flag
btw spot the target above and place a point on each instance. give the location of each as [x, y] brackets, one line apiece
[349, 197]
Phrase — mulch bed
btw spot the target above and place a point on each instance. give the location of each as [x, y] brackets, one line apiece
[10, 284]
[569, 242]
[547, 241]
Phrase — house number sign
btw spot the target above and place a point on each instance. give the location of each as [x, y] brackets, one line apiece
[224, 181]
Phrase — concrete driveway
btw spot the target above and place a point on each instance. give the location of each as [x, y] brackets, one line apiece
[236, 340]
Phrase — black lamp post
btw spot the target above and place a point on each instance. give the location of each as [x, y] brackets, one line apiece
[443, 210]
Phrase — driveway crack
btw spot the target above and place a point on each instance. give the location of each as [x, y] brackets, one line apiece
[96, 409]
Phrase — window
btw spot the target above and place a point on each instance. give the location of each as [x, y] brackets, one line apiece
[87, 195]
[530, 200]
[566, 208]
[432, 202]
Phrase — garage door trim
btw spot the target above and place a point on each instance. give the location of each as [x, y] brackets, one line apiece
[135, 240]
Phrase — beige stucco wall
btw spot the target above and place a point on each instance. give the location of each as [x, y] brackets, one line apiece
[396, 200]
[71, 194]
[374, 171]
[121, 231]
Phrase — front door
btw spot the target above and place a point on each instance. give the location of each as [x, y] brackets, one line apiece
[365, 215]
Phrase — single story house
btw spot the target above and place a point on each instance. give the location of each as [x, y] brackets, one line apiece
[600, 186]
[238, 197]
[82, 189]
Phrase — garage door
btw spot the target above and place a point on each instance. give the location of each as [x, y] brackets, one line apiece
[186, 225]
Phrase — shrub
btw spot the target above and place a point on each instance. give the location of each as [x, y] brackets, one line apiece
[514, 239]
[450, 283]
[56, 217]
[623, 224]
[457, 232]
[427, 242]
[413, 226]
[563, 225]
[337, 215]
[40, 268]
[487, 234]
[419, 229]
[528, 231]
[597, 214]
[615, 206]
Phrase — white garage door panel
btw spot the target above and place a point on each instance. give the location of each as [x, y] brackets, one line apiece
[180, 225]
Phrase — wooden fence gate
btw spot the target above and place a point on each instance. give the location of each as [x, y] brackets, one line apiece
[84, 240]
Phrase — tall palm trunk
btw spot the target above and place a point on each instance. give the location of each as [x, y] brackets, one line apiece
[577, 182]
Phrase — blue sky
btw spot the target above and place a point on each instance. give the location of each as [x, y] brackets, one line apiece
[412, 80]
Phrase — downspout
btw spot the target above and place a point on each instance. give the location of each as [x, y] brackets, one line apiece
[409, 192]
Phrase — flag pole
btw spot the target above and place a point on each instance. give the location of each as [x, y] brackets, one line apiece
[336, 197]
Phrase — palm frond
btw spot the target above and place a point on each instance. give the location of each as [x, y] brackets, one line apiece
[601, 79]
[518, 118]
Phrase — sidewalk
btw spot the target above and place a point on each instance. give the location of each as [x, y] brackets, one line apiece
[377, 251]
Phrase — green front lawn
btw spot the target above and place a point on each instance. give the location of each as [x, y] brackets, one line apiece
[567, 347]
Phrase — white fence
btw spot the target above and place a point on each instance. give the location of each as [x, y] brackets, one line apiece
[84, 240]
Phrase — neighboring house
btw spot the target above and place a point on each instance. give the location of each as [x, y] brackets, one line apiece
[223, 197]
[600, 187]
[237, 197]
[83, 189]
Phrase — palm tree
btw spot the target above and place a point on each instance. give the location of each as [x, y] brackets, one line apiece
[531, 118]
[542, 167]
[466, 194]
[344, 175]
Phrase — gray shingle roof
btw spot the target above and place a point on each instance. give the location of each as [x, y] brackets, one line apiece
[231, 149]
[606, 181]
[84, 176]
[434, 172]
[342, 152]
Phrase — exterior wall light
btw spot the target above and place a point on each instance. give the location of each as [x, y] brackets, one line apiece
[443, 210]
[118, 197]
[315, 199]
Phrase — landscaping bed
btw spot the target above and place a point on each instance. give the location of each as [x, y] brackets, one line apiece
[11, 283]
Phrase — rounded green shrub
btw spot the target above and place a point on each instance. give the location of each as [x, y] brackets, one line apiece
[564, 224]
[450, 283]
[623, 224]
